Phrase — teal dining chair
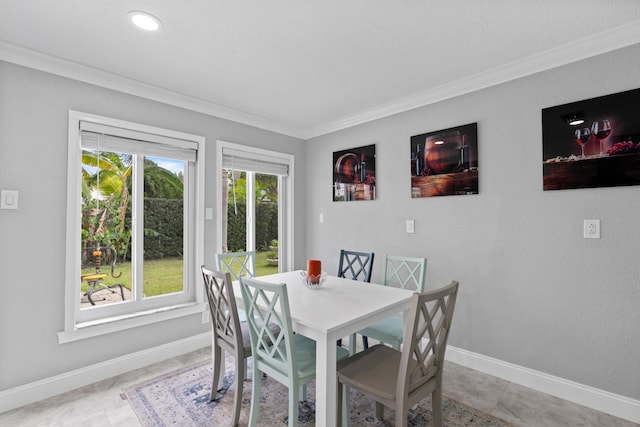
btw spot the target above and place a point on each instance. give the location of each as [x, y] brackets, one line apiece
[284, 356]
[401, 272]
[237, 263]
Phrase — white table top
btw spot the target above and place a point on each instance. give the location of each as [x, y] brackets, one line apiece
[340, 307]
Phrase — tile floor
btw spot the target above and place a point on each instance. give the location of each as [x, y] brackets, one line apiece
[100, 404]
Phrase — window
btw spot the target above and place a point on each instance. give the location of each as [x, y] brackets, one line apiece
[133, 193]
[255, 204]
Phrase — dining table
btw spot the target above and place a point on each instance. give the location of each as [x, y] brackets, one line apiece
[337, 309]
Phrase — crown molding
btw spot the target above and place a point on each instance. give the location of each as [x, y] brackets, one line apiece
[39, 61]
[597, 44]
[591, 46]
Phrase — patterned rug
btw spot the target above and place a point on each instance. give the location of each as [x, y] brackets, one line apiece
[181, 398]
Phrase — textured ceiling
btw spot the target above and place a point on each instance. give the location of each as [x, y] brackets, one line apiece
[306, 67]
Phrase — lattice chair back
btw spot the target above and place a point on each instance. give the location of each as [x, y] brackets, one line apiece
[237, 263]
[355, 265]
[421, 364]
[268, 303]
[223, 310]
[404, 272]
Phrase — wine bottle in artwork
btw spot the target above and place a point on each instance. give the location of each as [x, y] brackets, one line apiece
[464, 153]
[419, 161]
[363, 169]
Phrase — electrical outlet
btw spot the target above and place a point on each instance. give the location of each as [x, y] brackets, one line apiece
[591, 228]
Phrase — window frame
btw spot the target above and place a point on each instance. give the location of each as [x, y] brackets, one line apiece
[112, 319]
[286, 224]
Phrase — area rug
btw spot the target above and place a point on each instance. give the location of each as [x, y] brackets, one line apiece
[181, 398]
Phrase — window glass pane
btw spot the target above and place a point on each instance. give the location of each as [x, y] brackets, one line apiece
[106, 227]
[164, 210]
[266, 224]
[263, 190]
[236, 210]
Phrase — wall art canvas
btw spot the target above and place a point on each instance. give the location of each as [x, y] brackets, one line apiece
[445, 162]
[592, 143]
[354, 174]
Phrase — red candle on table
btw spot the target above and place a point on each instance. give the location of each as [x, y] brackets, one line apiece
[314, 268]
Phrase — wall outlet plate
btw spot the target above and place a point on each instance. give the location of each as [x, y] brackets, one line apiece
[591, 228]
[9, 199]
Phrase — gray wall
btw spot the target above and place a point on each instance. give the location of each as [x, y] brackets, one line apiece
[33, 155]
[533, 292]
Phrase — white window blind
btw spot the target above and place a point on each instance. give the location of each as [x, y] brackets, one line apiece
[109, 138]
[254, 162]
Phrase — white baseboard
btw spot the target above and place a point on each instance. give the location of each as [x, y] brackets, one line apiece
[600, 400]
[43, 389]
[619, 406]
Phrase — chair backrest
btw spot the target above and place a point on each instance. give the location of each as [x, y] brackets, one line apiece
[355, 265]
[237, 263]
[223, 310]
[404, 272]
[98, 257]
[429, 318]
[268, 304]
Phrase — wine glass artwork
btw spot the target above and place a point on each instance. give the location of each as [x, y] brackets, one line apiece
[601, 129]
[582, 137]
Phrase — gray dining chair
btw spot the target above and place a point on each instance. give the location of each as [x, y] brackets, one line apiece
[400, 379]
[228, 333]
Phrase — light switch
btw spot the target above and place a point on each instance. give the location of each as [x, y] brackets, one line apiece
[410, 226]
[208, 213]
[9, 199]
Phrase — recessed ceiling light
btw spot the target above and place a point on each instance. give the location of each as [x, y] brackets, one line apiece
[144, 20]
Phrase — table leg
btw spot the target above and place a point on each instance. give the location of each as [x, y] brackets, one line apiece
[326, 383]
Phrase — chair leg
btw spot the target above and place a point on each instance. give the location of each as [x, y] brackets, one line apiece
[346, 406]
[255, 397]
[303, 392]
[339, 409]
[216, 360]
[352, 344]
[121, 289]
[293, 403]
[379, 410]
[237, 399]
[436, 406]
[402, 414]
[365, 342]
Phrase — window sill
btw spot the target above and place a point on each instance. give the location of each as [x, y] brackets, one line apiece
[120, 323]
